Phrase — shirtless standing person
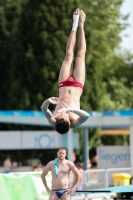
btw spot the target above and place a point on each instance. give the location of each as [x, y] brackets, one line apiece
[60, 169]
[7, 165]
[67, 113]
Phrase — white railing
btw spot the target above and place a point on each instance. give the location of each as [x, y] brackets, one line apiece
[92, 177]
[99, 178]
[115, 170]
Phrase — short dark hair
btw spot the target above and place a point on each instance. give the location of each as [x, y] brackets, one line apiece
[79, 164]
[61, 126]
[62, 148]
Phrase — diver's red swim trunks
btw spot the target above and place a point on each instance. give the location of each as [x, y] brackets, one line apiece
[70, 82]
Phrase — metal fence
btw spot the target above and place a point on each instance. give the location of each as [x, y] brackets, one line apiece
[99, 178]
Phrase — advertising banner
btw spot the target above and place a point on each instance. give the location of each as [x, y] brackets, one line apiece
[35, 140]
[113, 157]
[23, 186]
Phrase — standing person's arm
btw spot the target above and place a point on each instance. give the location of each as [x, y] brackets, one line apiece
[77, 178]
[43, 176]
[46, 111]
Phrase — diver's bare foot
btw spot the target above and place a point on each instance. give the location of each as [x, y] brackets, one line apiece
[82, 18]
[77, 12]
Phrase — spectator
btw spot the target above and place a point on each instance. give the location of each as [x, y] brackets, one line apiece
[79, 166]
[94, 165]
[7, 165]
[37, 168]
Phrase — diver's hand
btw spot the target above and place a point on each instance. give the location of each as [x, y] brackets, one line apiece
[54, 100]
[66, 106]
[65, 109]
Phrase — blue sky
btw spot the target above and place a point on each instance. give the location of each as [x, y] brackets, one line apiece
[127, 35]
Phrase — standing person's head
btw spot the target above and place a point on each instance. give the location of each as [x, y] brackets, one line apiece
[62, 124]
[79, 165]
[61, 153]
[8, 157]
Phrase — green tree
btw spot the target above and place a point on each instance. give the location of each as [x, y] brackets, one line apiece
[103, 38]
[9, 11]
[39, 49]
